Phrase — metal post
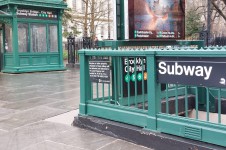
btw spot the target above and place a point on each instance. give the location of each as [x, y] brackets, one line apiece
[208, 21]
[109, 31]
[71, 51]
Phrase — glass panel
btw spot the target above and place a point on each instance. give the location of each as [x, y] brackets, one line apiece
[38, 38]
[23, 37]
[53, 38]
[8, 38]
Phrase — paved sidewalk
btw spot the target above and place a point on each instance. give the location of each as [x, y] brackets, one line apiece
[36, 112]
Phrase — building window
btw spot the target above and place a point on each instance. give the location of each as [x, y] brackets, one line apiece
[38, 38]
[83, 7]
[23, 37]
[74, 4]
[53, 38]
[8, 38]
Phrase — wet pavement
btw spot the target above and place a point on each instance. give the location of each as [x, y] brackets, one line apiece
[32, 111]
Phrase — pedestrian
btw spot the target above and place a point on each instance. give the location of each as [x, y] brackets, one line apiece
[96, 42]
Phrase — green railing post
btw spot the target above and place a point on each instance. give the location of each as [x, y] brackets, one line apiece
[114, 45]
[60, 46]
[115, 71]
[154, 92]
[201, 44]
[15, 37]
[120, 19]
[85, 86]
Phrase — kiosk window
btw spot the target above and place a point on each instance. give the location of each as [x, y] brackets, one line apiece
[8, 38]
[38, 38]
[53, 38]
[23, 37]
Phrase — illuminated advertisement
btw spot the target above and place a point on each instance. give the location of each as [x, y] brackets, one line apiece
[156, 19]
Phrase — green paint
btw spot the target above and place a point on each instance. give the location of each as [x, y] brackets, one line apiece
[133, 77]
[30, 61]
[127, 78]
[139, 77]
[151, 118]
[59, 4]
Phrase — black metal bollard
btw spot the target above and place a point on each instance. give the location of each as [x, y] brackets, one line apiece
[203, 35]
[71, 51]
[87, 42]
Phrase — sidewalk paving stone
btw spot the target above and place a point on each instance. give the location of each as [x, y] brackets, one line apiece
[83, 139]
[22, 118]
[28, 100]
[29, 103]
[70, 104]
[49, 145]
[26, 136]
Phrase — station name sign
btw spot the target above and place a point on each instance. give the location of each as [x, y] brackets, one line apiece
[134, 72]
[37, 14]
[192, 71]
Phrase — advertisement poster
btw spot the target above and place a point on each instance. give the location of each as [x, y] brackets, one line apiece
[156, 19]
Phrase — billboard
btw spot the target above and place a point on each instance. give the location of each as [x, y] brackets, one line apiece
[156, 19]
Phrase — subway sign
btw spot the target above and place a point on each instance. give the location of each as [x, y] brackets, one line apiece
[134, 72]
[209, 72]
[37, 14]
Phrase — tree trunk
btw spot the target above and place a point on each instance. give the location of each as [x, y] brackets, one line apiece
[85, 34]
[218, 9]
[92, 24]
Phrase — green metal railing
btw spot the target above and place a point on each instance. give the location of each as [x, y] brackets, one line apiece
[138, 99]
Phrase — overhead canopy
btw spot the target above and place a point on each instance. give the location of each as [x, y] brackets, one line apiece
[60, 4]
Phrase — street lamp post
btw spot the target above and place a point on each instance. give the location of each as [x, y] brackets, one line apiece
[208, 21]
[109, 31]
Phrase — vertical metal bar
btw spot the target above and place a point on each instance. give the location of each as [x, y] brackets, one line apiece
[154, 92]
[128, 83]
[135, 76]
[143, 90]
[91, 90]
[176, 99]
[207, 105]
[47, 37]
[219, 105]
[121, 78]
[97, 91]
[109, 94]
[167, 99]
[84, 83]
[186, 101]
[115, 81]
[103, 92]
[196, 103]
[29, 37]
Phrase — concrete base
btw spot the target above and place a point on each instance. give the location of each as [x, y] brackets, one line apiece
[137, 135]
[71, 65]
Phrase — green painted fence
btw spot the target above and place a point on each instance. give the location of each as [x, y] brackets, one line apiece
[182, 110]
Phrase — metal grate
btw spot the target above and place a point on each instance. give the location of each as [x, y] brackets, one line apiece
[193, 133]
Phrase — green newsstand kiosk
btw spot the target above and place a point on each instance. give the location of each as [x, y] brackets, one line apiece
[31, 35]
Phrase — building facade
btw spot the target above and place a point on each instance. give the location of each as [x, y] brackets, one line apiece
[100, 17]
